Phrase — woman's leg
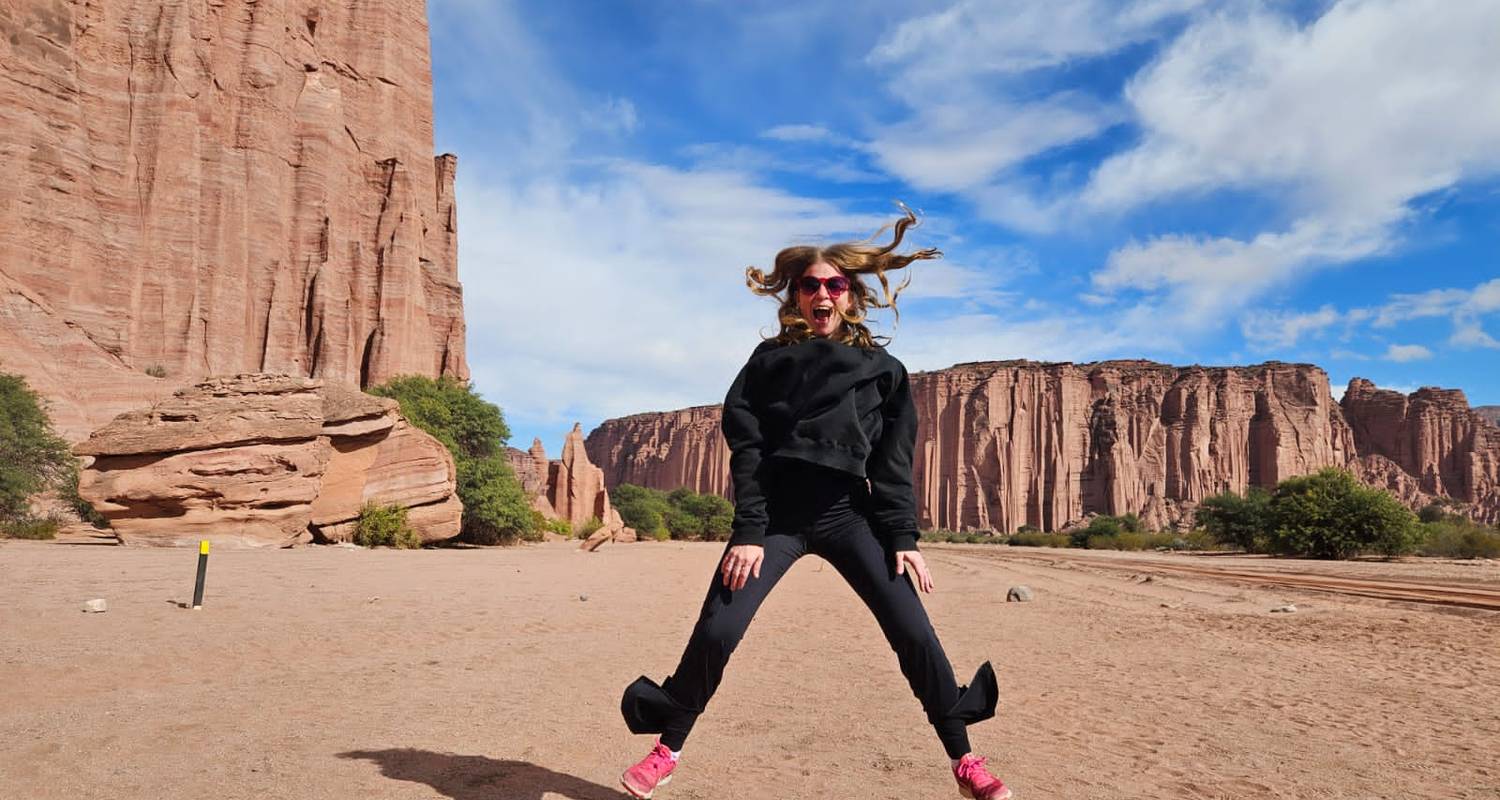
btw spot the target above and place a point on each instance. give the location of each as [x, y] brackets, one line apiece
[870, 570]
[721, 623]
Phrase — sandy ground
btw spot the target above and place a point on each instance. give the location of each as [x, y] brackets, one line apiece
[479, 674]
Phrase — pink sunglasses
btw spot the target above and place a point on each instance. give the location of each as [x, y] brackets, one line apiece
[836, 285]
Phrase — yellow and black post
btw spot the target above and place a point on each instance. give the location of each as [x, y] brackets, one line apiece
[202, 571]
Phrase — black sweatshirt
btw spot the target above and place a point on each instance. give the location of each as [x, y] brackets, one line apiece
[836, 405]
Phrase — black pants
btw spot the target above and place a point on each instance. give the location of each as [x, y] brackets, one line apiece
[852, 548]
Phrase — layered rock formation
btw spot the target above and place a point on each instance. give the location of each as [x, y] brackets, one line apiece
[1006, 444]
[1431, 436]
[265, 460]
[571, 488]
[198, 188]
[1491, 413]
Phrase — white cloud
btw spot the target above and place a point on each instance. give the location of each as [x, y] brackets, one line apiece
[1206, 278]
[1265, 330]
[1470, 334]
[978, 37]
[1350, 120]
[1407, 352]
[964, 145]
[623, 293]
[1373, 104]
[802, 133]
[972, 118]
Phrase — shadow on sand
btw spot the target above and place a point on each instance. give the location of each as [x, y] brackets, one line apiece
[479, 778]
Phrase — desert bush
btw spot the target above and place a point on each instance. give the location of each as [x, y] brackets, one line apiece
[681, 513]
[1200, 540]
[1034, 538]
[1128, 540]
[496, 509]
[156, 371]
[68, 493]
[589, 527]
[1242, 522]
[1105, 526]
[384, 526]
[29, 528]
[1330, 514]
[1459, 538]
[32, 459]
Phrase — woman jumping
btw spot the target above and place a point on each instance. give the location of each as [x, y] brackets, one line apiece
[821, 427]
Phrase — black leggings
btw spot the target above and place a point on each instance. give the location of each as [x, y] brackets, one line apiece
[853, 550]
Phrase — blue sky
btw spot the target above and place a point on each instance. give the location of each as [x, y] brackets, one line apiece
[1191, 182]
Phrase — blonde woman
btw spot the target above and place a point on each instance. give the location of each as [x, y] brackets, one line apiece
[821, 426]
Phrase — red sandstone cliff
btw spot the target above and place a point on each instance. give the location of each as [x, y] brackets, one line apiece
[200, 188]
[1491, 413]
[1006, 444]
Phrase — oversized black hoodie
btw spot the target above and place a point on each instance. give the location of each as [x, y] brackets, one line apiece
[821, 401]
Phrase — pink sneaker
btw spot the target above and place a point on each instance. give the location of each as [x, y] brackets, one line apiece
[654, 770]
[976, 782]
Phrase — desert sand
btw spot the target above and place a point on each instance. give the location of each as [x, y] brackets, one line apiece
[478, 674]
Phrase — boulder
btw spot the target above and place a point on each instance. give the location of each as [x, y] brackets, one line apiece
[261, 459]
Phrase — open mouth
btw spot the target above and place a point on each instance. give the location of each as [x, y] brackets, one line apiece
[822, 314]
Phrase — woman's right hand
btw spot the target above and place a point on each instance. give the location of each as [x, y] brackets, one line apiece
[740, 564]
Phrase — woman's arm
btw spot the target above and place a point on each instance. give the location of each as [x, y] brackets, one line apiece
[742, 430]
[893, 500]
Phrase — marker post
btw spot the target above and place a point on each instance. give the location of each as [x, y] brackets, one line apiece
[202, 571]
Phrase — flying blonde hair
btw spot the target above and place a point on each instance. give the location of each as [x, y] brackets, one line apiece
[854, 260]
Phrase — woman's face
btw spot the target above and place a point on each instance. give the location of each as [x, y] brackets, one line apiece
[822, 307]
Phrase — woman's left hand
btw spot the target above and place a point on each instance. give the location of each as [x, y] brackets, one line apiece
[918, 566]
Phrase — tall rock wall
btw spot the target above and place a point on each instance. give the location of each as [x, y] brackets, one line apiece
[1491, 413]
[198, 188]
[1006, 444]
[1432, 435]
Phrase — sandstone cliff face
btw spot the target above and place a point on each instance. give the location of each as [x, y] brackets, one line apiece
[1433, 436]
[1006, 444]
[265, 460]
[200, 188]
[664, 451]
[1491, 413]
[570, 488]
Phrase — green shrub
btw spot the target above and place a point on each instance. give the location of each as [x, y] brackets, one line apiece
[68, 493]
[561, 527]
[1127, 540]
[678, 514]
[1242, 522]
[1330, 514]
[32, 457]
[29, 528]
[496, 508]
[384, 526]
[1104, 526]
[1034, 538]
[1459, 538]
[588, 528]
[156, 371]
[1200, 540]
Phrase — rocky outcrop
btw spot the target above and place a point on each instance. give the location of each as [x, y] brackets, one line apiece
[1432, 436]
[1491, 413]
[265, 460]
[570, 488]
[664, 451]
[1006, 444]
[196, 188]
